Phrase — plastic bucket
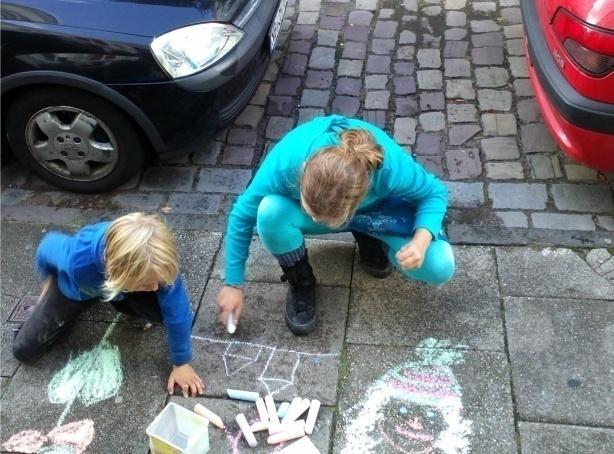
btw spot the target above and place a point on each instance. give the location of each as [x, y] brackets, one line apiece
[177, 430]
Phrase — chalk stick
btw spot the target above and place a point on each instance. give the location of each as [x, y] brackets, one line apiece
[298, 410]
[293, 432]
[301, 446]
[242, 395]
[247, 432]
[262, 410]
[292, 409]
[278, 428]
[231, 324]
[271, 410]
[283, 408]
[314, 408]
[209, 415]
[259, 426]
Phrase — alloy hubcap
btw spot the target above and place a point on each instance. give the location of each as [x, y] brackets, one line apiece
[72, 143]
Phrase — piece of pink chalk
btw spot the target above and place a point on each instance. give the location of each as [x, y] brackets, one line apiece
[278, 428]
[294, 431]
[209, 415]
[271, 409]
[262, 410]
[247, 431]
[314, 408]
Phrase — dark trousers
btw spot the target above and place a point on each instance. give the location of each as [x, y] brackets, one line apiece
[55, 315]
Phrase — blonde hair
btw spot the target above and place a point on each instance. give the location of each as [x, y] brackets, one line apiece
[138, 246]
[336, 179]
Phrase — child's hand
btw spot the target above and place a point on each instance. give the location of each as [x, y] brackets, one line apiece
[412, 254]
[230, 301]
[187, 379]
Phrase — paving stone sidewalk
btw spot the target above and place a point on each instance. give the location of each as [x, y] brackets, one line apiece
[513, 355]
[447, 79]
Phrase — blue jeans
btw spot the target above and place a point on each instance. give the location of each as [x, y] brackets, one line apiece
[282, 224]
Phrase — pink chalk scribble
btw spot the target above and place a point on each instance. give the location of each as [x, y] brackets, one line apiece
[77, 435]
[420, 436]
[405, 387]
[27, 441]
[233, 440]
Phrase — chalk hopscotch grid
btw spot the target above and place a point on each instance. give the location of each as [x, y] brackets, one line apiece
[272, 351]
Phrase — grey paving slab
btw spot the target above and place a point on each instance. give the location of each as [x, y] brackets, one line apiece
[263, 355]
[424, 400]
[397, 311]
[561, 357]
[231, 439]
[549, 272]
[85, 370]
[331, 262]
[564, 439]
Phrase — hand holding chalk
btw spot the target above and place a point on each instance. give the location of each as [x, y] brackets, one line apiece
[230, 306]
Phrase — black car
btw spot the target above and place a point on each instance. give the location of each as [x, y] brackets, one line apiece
[90, 88]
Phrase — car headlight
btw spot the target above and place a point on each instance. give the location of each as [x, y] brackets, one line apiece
[191, 49]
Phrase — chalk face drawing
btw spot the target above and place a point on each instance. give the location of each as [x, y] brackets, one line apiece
[279, 370]
[89, 378]
[414, 407]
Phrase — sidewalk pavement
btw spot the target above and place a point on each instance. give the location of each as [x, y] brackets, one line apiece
[514, 355]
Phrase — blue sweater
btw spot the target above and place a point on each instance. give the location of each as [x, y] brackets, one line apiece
[280, 173]
[78, 262]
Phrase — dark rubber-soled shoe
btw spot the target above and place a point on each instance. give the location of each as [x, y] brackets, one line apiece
[373, 257]
[300, 311]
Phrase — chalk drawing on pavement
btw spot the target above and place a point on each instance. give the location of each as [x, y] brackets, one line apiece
[238, 355]
[90, 377]
[414, 407]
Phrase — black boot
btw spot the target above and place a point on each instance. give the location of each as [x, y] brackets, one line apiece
[373, 258]
[300, 313]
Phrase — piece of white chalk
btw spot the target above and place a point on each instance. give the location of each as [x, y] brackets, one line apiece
[247, 432]
[314, 408]
[209, 415]
[262, 410]
[294, 431]
[271, 410]
[298, 410]
[292, 409]
[278, 428]
[283, 408]
[301, 446]
[259, 426]
[231, 324]
[238, 394]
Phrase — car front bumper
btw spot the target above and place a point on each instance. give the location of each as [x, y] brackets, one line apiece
[188, 111]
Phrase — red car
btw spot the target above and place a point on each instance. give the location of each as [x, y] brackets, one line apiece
[570, 48]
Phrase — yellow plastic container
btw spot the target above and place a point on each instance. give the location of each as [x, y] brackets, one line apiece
[177, 430]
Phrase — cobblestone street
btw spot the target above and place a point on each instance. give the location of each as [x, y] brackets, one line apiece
[448, 80]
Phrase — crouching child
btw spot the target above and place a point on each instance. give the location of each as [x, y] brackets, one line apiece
[133, 264]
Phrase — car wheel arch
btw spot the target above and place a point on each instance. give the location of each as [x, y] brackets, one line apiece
[16, 84]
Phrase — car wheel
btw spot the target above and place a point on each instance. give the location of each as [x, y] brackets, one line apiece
[74, 140]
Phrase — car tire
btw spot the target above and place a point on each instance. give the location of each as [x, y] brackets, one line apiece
[74, 139]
